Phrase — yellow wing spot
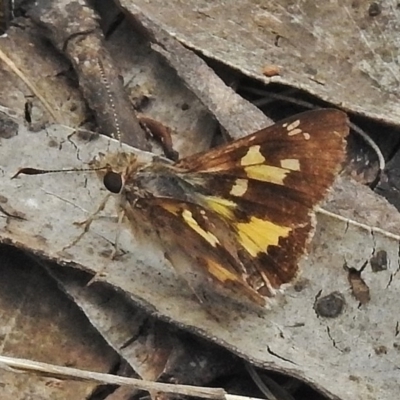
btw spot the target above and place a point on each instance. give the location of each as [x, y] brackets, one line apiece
[208, 236]
[267, 173]
[172, 208]
[225, 277]
[293, 125]
[252, 157]
[257, 234]
[239, 188]
[294, 132]
[291, 163]
[219, 272]
[222, 207]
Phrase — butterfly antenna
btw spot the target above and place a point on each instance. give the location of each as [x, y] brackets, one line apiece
[36, 171]
[111, 101]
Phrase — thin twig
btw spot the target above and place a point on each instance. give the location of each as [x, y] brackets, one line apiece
[371, 229]
[59, 372]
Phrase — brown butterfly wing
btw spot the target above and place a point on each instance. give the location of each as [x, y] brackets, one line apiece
[266, 186]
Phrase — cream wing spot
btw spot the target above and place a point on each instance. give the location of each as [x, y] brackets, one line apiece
[251, 138]
[291, 163]
[252, 157]
[208, 236]
[294, 132]
[293, 125]
[306, 136]
[239, 188]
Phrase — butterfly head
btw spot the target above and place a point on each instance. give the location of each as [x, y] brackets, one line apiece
[114, 168]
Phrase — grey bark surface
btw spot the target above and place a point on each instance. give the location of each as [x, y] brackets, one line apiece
[337, 50]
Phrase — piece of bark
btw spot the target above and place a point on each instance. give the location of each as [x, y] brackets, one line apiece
[154, 349]
[221, 101]
[36, 323]
[334, 50]
[73, 29]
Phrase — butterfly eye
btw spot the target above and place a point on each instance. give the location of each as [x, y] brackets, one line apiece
[113, 182]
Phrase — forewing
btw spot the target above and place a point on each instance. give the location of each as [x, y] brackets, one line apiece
[266, 186]
[303, 152]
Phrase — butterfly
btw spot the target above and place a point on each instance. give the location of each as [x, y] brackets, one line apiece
[235, 219]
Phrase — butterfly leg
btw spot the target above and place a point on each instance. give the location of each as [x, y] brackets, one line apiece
[121, 215]
[114, 253]
[87, 222]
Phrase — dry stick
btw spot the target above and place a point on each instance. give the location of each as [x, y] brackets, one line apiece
[59, 372]
[30, 85]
